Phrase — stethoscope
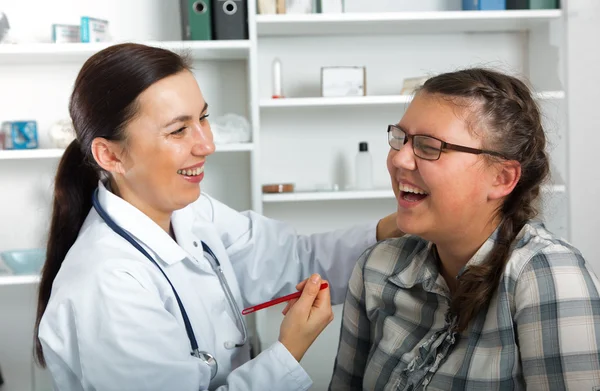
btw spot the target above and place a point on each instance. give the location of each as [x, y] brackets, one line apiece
[206, 357]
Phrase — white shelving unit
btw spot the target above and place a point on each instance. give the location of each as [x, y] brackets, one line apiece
[329, 195]
[403, 22]
[18, 280]
[47, 153]
[308, 146]
[44, 52]
[375, 194]
[366, 100]
[311, 140]
[39, 77]
[54, 153]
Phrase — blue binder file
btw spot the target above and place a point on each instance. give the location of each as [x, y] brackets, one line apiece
[483, 5]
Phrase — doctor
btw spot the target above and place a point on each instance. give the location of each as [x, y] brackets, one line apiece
[145, 278]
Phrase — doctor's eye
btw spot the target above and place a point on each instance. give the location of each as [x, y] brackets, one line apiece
[204, 117]
[178, 131]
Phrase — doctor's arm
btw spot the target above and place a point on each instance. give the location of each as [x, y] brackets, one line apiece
[124, 338]
[269, 257]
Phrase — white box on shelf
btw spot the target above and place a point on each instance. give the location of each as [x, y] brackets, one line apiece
[266, 7]
[331, 6]
[66, 33]
[343, 81]
[299, 6]
[94, 30]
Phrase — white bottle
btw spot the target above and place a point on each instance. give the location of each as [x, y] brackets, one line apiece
[276, 79]
[363, 168]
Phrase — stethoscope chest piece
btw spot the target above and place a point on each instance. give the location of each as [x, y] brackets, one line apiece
[209, 360]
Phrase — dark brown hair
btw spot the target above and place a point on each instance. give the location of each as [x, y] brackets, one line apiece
[103, 102]
[504, 106]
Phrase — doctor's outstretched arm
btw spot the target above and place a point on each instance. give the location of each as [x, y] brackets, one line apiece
[269, 257]
[131, 342]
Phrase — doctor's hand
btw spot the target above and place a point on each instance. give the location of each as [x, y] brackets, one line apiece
[306, 317]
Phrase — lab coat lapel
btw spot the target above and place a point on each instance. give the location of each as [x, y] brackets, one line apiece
[184, 223]
[205, 230]
[141, 227]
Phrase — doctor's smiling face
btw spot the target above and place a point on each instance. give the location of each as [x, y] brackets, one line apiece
[160, 162]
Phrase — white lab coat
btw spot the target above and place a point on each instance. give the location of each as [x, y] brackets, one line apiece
[112, 322]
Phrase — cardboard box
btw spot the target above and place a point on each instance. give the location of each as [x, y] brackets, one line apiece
[94, 30]
[63, 33]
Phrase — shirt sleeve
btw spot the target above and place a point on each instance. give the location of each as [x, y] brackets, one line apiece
[355, 335]
[557, 315]
[269, 257]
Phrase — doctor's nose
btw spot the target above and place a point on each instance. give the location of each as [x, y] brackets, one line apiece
[203, 141]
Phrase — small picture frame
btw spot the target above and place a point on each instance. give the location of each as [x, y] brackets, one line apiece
[411, 84]
[299, 7]
[343, 81]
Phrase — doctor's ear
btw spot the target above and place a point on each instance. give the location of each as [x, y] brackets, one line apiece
[108, 155]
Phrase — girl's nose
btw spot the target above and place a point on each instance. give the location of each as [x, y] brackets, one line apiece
[405, 158]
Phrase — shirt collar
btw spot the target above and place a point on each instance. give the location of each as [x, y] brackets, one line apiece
[142, 228]
[416, 263]
[421, 266]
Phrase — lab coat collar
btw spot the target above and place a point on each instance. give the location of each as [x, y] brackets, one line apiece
[141, 227]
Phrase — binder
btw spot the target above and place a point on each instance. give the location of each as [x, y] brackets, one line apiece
[196, 24]
[230, 19]
[531, 4]
[483, 5]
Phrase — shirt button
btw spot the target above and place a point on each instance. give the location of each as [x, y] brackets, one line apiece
[195, 244]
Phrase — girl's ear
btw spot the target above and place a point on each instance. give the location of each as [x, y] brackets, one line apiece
[506, 178]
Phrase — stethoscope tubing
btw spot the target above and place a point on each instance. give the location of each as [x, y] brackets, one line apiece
[216, 266]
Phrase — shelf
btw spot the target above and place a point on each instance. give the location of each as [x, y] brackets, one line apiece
[367, 100]
[355, 195]
[237, 147]
[57, 153]
[31, 154]
[403, 22]
[61, 52]
[18, 280]
[329, 195]
[341, 101]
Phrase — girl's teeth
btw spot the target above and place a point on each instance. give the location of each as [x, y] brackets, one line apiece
[411, 189]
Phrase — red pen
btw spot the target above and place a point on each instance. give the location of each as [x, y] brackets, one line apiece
[273, 302]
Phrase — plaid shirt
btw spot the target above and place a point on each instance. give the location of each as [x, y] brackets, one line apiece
[541, 330]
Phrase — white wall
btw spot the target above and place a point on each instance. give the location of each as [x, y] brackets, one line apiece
[583, 53]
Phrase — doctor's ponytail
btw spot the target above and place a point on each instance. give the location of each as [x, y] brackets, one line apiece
[73, 186]
[103, 102]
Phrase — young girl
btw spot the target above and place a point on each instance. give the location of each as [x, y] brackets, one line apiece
[479, 296]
